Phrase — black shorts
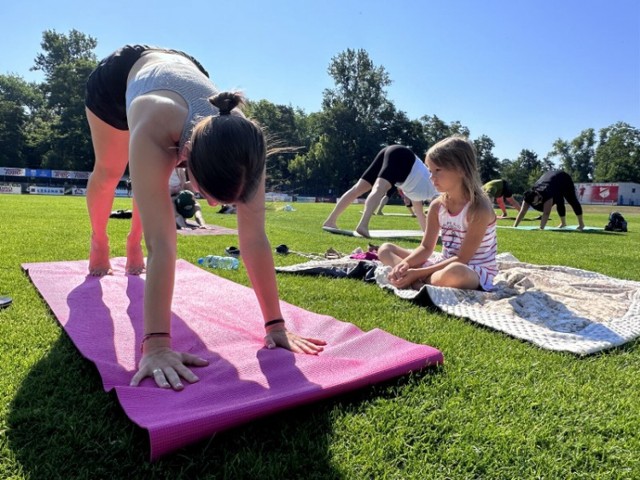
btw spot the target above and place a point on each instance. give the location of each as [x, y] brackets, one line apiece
[107, 84]
[393, 163]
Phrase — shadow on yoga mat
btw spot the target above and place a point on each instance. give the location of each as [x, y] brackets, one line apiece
[221, 321]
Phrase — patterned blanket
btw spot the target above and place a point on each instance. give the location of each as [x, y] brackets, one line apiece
[554, 307]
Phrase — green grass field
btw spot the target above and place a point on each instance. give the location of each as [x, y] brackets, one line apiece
[498, 409]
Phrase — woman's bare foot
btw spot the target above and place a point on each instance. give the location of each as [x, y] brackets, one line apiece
[135, 258]
[363, 232]
[330, 225]
[99, 264]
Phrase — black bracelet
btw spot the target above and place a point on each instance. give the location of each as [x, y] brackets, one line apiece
[152, 335]
[274, 322]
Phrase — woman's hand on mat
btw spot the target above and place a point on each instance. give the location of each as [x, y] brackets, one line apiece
[286, 339]
[167, 367]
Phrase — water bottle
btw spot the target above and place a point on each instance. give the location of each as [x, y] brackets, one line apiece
[215, 261]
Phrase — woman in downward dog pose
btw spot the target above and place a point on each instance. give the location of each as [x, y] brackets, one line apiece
[395, 165]
[552, 188]
[462, 215]
[157, 109]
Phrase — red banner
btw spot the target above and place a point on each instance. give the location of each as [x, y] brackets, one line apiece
[598, 192]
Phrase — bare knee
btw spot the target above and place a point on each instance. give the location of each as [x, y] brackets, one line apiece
[456, 275]
[107, 178]
[385, 248]
[391, 254]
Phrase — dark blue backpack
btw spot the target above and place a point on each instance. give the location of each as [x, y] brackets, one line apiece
[617, 223]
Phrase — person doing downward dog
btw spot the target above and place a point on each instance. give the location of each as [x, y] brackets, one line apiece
[157, 109]
[500, 190]
[393, 165]
[462, 215]
[551, 188]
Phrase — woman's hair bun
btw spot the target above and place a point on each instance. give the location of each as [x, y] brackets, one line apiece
[227, 101]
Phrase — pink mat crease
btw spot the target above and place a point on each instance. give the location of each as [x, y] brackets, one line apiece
[219, 320]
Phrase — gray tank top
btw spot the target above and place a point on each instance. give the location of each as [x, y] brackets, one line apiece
[185, 80]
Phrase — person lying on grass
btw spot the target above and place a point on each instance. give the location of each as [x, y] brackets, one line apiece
[464, 218]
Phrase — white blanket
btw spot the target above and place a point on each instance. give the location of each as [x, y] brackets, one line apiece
[554, 307]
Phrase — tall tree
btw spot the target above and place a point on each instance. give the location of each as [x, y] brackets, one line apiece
[583, 153]
[562, 150]
[19, 103]
[66, 62]
[576, 157]
[360, 85]
[488, 164]
[522, 172]
[287, 135]
[512, 172]
[350, 128]
[436, 129]
[617, 157]
[400, 130]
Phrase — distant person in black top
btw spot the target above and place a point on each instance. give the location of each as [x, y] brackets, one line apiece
[553, 187]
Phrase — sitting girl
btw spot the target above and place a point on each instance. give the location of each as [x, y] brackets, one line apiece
[464, 218]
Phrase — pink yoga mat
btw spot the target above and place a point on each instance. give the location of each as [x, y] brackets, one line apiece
[221, 321]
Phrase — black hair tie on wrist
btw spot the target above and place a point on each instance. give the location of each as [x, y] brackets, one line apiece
[274, 322]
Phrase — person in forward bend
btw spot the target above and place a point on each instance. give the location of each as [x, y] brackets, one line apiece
[156, 109]
[552, 188]
[500, 190]
[394, 165]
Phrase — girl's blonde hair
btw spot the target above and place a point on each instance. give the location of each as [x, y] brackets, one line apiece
[459, 153]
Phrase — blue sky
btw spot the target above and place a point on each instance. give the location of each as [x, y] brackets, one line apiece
[523, 72]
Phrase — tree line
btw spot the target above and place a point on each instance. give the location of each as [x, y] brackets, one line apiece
[43, 125]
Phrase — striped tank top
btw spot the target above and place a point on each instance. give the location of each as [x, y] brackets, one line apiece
[453, 229]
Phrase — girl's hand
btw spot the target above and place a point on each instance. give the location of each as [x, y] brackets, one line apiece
[398, 272]
[286, 339]
[407, 280]
[166, 367]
